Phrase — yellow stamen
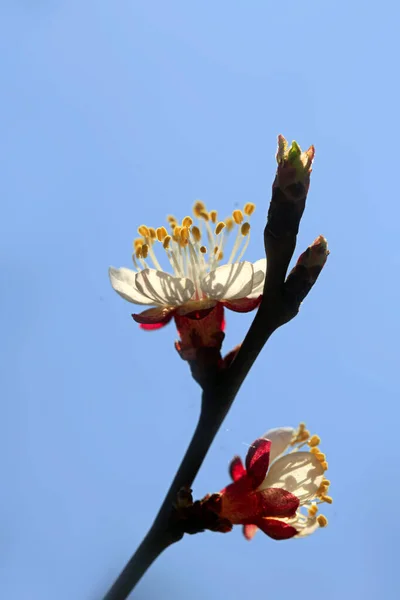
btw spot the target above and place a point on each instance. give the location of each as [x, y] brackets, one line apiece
[315, 450]
[219, 227]
[166, 242]
[249, 208]
[229, 223]
[138, 252]
[196, 233]
[145, 250]
[161, 234]
[237, 216]
[314, 441]
[152, 233]
[312, 511]
[203, 249]
[213, 216]
[171, 219]
[245, 229]
[322, 521]
[324, 465]
[216, 249]
[198, 208]
[204, 215]
[138, 243]
[326, 482]
[184, 236]
[220, 256]
[187, 222]
[321, 457]
[327, 499]
[144, 231]
[177, 231]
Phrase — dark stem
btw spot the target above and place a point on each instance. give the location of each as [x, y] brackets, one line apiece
[216, 403]
[280, 303]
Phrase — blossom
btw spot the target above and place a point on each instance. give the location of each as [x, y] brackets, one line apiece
[197, 286]
[279, 488]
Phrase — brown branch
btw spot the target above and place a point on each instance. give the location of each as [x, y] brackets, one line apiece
[280, 303]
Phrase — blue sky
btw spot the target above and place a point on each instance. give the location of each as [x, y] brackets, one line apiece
[114, 114]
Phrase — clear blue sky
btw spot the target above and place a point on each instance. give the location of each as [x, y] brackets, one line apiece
[114, 114]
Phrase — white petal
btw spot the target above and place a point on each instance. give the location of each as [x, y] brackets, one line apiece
[300, 473]
[123, 282]
[307, 528]
[304, 524]
[229, 282]
[260, 268]
[163, 288]
[280, 438]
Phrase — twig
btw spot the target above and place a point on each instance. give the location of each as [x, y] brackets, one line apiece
[280, 303]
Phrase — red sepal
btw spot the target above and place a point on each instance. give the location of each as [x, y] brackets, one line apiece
[277, 530]
[257, 461]
[236, 469]
[243, 305]
[277, 502]
[249, 531]
[154, 318]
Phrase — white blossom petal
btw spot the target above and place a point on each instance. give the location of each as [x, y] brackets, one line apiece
[163, 288]
[280, 439]
[304, 523]
[300, 473]
[123, 282]
[306, 528]
[260, 268]
[229, 282]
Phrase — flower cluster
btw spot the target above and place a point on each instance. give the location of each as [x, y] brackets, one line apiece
[199, 286]
[279, 489]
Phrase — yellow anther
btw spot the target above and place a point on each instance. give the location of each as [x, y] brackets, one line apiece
[198, 208]
[196, 233]
[302, 427]
[303, 435]
[145, 250]
[138, 252]
[177, 231]
[161, 234]
[324, 465]
[204, 215]
[312, 511]
[203, 249]
[152, 233]
[213, 216]
[321, 457]
[171, 219]
[144, 231]
[219, 227]
[220, 256]
[138, 243]
[326, 482]
[216, 248]
[237, 216]
[166, 241]
[187, 222]
[245, 229]
[184, 236]
[315, 450]
[314, 441]
[327, 499]
[249, 208]
[322, 521]
[229, 222]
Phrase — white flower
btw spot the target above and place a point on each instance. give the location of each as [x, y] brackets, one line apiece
[198, 280]
[298, 466]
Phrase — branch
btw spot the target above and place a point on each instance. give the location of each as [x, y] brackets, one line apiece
[280, 303]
